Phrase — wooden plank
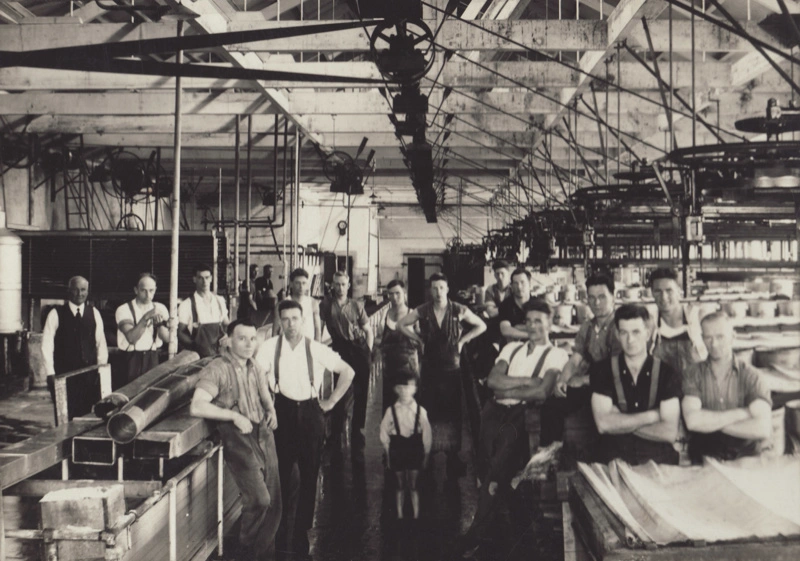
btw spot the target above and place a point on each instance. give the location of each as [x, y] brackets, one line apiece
[604, 532]
[24, 459]
[40, 487]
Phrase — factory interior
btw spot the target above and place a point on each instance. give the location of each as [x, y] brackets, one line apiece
[511, 151]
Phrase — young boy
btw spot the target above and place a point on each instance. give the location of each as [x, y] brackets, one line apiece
[406, 437]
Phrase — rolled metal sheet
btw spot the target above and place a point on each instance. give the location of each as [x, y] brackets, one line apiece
[144, 409]
[125, 394]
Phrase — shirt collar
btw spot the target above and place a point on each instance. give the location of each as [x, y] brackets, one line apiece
[74, 309]
[228, 355]
[603, 322]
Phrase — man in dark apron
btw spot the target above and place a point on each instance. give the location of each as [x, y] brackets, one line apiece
[677, 338]
[203, 317]
[596, 341]
[726, 405]
[142, 328]
[232, 390]
[635, 397]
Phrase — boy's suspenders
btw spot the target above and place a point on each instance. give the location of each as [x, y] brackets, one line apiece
[621, 401]
[278, 361]
[397, 423]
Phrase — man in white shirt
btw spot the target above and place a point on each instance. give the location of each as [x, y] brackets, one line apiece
[298, 289]
[142, 328]
[73, 338]
[524, 373]
[296, 366]
[203, 316]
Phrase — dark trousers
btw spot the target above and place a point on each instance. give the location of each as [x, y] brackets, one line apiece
[503, 441]
[359, 360]
[719, 445]
[139, 362]
[556, 409]
[253, 463]
[503, 444]
[298, 441]
[635, 450]
[83, 391]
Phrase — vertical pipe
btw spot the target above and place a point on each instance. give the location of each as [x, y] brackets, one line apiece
[237, 185]
[121, 468]
[285, 166]
[64, 469]
[619, 107]
[157, 193]
[249, 201]
[694, 91]
[672, 136]
[215, 260]
[220, 504]
[296, 199]
[607, 146]
[173, 522]
[176, 211]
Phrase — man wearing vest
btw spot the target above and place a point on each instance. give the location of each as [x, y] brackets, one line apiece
[73, 338]
[524, 373]
[596, 341]
[351, 337]
[233, 390]
[142, 328]
[203, 316]
[635, 397]
[296, 367]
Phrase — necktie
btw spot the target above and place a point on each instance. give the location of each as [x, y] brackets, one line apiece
[78, 314]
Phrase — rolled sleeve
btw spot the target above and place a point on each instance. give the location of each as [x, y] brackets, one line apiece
[185, 313]
[755, 386]
[209, 380]
[427, 432]
[580, 339]
[363, 319]
[508, 350]
[48, 342]
[100, 338]
[326, 356]
[600, 379]
[387, 425]
[669, 383]
[690, 383]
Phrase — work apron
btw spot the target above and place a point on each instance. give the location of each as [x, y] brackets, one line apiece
[678, 351]
[630, 447]
[205, 336]
[399, 354]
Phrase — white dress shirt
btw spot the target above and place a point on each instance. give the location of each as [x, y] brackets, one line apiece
[146, 342]
[523, 363]
[294, 381]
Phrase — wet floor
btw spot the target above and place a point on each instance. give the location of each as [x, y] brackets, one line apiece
[356, 514]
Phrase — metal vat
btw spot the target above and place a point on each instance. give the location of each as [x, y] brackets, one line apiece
[10, 279]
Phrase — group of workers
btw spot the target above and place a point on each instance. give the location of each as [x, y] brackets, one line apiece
[270, 390]
[638, 374]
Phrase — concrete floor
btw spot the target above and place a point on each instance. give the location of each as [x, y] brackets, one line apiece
[355, 517]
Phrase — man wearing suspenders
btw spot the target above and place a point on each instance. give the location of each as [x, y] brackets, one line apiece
[524, 373]
[296, 366]
[203, 316]
[635, 397]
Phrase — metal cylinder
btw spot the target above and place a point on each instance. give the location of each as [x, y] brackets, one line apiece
[10, 279]
[149, 405]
